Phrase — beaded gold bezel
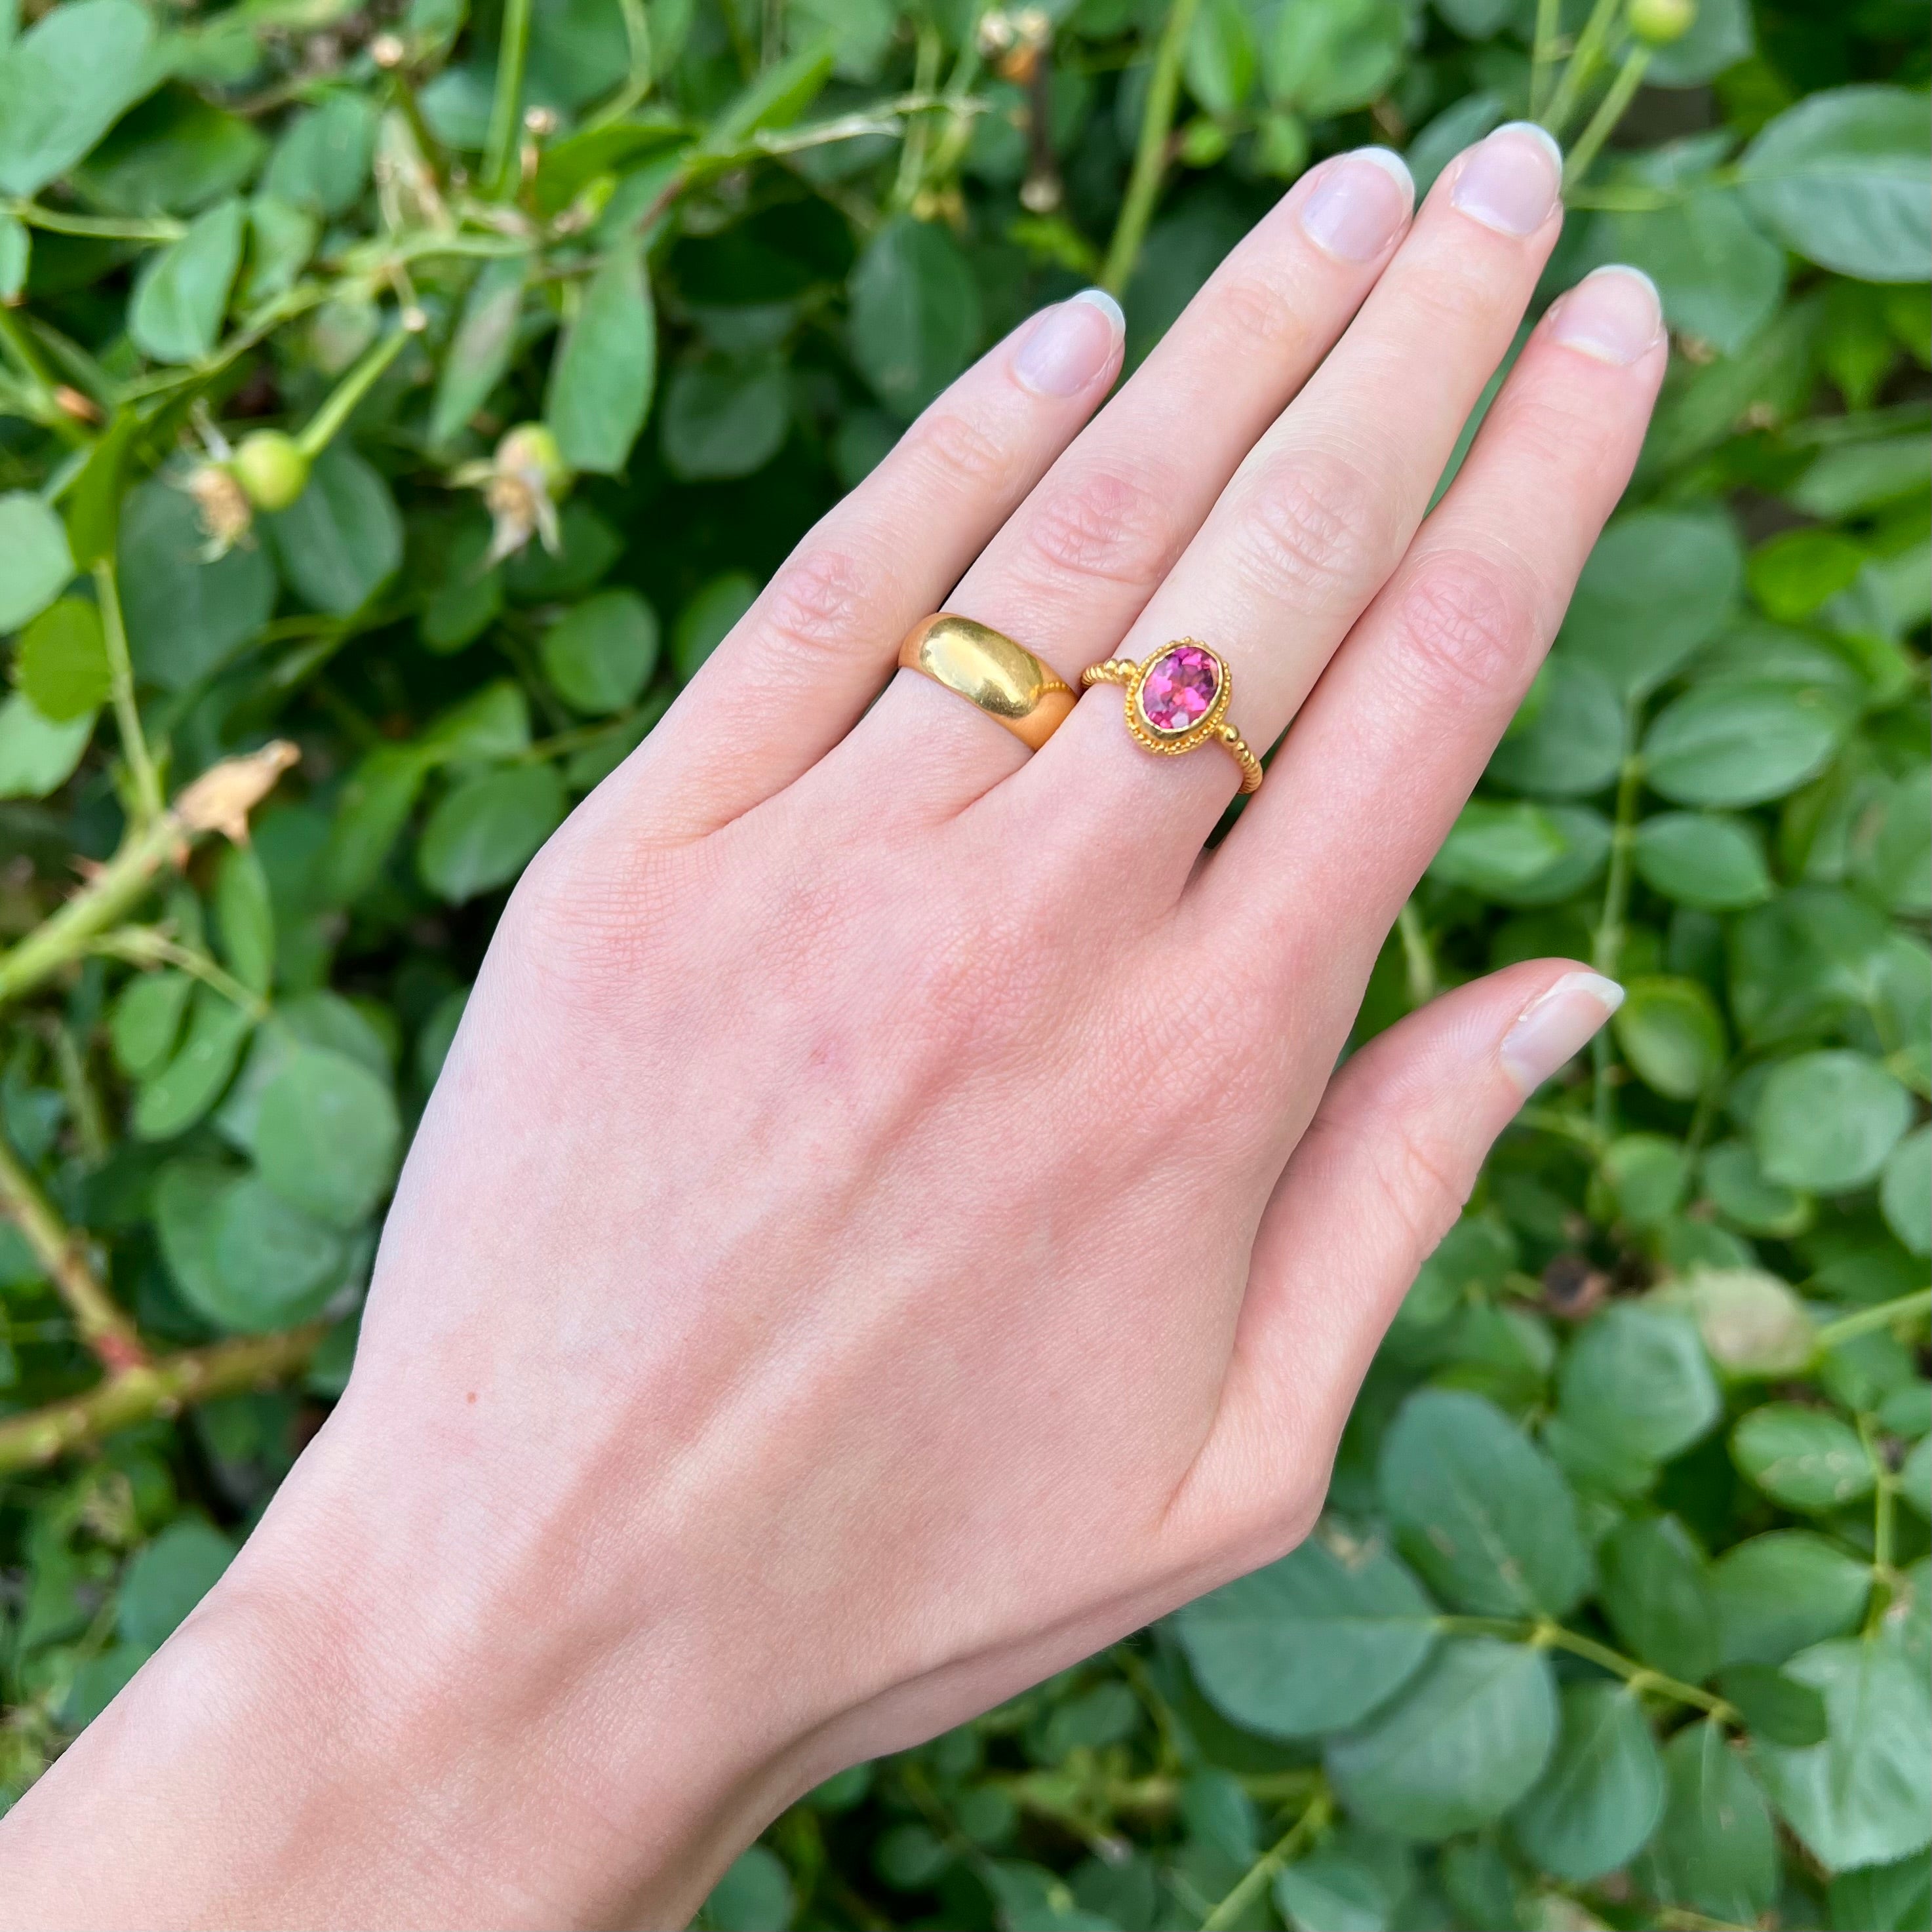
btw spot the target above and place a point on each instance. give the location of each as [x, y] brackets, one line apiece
[1172, 744]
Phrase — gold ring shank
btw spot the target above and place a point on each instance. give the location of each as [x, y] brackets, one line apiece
[987, 669]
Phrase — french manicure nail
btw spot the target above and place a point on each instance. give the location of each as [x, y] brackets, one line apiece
[1510, 181]
[1071, 344]
[1555, 1025]
[1612, 314]
[1358, 206]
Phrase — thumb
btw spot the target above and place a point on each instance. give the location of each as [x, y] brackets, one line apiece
[1378, 1178]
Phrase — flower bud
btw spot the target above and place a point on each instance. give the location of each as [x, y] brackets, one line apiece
[271, 467]
[1658, 23]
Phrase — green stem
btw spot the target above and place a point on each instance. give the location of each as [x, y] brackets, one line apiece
[1542, 53]
[38, 382]
[1610, 112]
[100, 228]
[1607, 944]
[1581, 64]
[1905, 1307]
[161, 1388]
[1418, 956]
[103, 1326]
[1150, 151]
[1885, 1491]
[500, 157]
[1548, 1635]
[1258, 1876]
[1576, 1127]
[127, 713]
[912, 149]
[323, 425]
[143, 945]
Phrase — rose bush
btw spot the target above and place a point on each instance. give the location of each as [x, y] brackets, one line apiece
[397, 405]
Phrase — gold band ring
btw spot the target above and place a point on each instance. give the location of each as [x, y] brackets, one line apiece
[987, 668]
[1178, 701]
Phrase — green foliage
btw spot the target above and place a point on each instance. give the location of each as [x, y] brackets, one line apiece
[334, 407]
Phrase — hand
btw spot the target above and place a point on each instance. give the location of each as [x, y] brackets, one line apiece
[890, 1223]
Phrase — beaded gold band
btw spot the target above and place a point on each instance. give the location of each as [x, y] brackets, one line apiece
[987, 668]
[1178, 701]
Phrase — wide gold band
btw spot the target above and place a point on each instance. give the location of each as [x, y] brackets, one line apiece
[1161, 722]
[987, 668]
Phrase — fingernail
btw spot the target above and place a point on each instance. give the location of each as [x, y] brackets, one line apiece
[1555, 1025]
[1358, 206]
[1070, 345]
[1612, 313]
[1510, 181]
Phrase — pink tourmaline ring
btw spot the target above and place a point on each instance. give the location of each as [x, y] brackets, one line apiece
[1178, 701]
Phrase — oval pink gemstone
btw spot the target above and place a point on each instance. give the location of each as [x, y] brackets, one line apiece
[1179, 688]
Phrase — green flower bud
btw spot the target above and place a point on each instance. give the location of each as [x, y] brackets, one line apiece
[1657, 22]
[270, 468]
[529, 452]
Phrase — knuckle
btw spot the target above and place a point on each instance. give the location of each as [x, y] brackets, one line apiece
[819, 604]
[1418, 1181]
[949, 445]
[1254, 311]
[1463, 622]
[1104, 526]
[1309, 531]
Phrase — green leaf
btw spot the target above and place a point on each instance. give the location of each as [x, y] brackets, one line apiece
[779, 95]
[1672, 1035]
[1479, 1510]
[1792, 575]
[1751, 1323]
[491, 724]
[1601, 1794]
[1715, 1850]
[1742, 743]
[1739, 1189]
[1648, 1176]
[708, 619]
[244, 917]
[915, 314]
[185, 617]
[1776, 1708]
[1827, 1121]
[1573, 745]
[1312, 1643]
[1864, 1796]
[1637, 1377]
[1327, 59]
[478, 355]
[1776, 1593]
[34, 565]
[1838, 177]
[1495, 849]
[1659, 583]
[174, 154]
[375, 805]
[147, 1020]
[601, 382]
[485, 831]
[1720, 36]
[1802, 1457]
[1905, 1191]
[327, 1135]
[723, 418]
[182, 292]
[176, 1097]
[167, 1578]
[1330, 1890]
[37, 755]
[64, 83]
[1464, 1742]
[1895, 1898]
[600, 654]
[1704, 859]
[273, 1265]
[321, 163]
[341, 541]
[16, 253]
[61, 662]
[1221, 61]
[1653, 1593]
[754, 1895]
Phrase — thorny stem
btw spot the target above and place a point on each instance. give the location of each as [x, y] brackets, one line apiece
[500, 156]
[163, 1387]
[1255, 1879]
[1610, 112]
[1150, 151]
[105, 1330]
[127, 713]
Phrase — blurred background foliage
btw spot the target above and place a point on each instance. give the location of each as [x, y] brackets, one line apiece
[397, 405]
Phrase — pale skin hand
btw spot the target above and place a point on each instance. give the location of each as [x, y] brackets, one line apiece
[887, 1227]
